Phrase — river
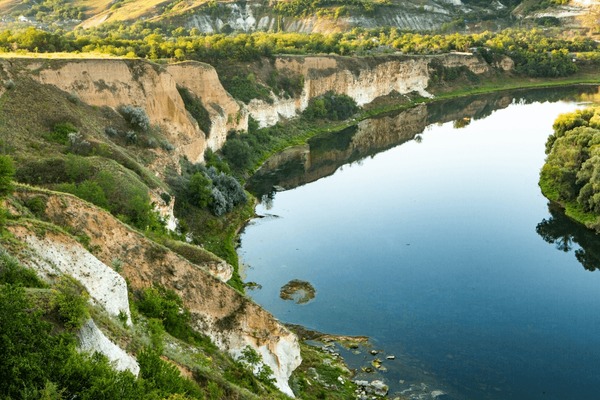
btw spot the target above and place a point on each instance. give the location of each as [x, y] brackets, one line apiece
[426, 231]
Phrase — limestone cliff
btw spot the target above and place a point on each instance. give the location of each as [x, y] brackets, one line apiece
[225, 113]
[363, 79]
[231, 320]
[115, 83]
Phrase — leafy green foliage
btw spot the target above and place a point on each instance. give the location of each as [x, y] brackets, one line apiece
[38, 363]
[332, 106]
[7, 173]
[70, 299]
[13, 273]
[209, 188]
[251, 360]
[60, 133]
[571, 174]
[246, 88]
[305, 8]
[165, 378]
[200, 189]
[166, 306]
[48, 11]
[237, 152]
[29, 352]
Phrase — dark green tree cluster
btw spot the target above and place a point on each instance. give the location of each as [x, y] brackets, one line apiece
[331, 106]
[52, 10]
[167, 307]
[571, 174]
[209, 188]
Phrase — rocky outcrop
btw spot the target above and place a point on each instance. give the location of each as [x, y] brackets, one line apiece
[230, 319]
[92, 339]
[116, 83]
[56, 254]
[250, 16]
[225, 112]
[364, 79]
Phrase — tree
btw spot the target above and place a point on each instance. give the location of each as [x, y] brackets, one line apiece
[199, 190]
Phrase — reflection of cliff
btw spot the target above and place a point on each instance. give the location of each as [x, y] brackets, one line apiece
[324, 154]
[565, 234]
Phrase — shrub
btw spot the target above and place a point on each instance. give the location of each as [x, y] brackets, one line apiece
[60, 133]
[111, 132]
[13, 273]
[331, 106]
[45, 170]
[237, 153]
[194, 106]
[37, 205]
[166, 306]
[87, 190]
[136, 117]
[78, 144]
[7, 173]
[199, 189]
[164, 377]
[70, 299]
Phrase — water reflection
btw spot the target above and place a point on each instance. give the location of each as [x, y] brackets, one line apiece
[324, 154]
[566, 234]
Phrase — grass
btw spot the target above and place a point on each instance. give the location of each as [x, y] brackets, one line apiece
[218, 235]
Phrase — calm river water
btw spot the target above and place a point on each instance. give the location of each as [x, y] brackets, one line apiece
[426, 231]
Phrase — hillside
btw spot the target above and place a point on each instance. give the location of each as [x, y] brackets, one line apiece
[124, 150]
[290, 15]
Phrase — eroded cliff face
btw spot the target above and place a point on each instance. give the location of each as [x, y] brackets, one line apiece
[225, 112]
[114, 83]
[250, 16]
[363, 79]
[231, 320]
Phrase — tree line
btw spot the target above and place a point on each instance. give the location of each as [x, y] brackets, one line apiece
[535, 52]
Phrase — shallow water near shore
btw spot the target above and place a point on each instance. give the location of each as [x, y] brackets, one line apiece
[441, 249]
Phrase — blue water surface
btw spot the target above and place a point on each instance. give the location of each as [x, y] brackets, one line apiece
[431, 250]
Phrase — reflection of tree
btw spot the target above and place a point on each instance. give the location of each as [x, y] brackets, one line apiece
[461, 122]
[564, 233]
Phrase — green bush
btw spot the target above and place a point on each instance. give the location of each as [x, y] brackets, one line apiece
[7, 173]
[200, 189]
[166, 306]
[60, 133]
[37, 205]
[13, 273]
[165, 378]
[70, 299]
[237, 153]
[42, 171]
[335, 107]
